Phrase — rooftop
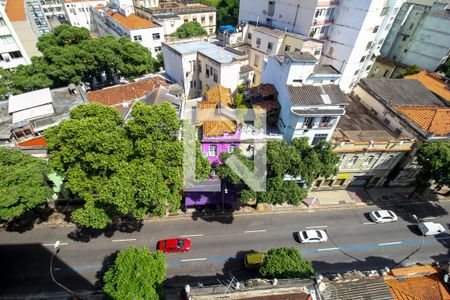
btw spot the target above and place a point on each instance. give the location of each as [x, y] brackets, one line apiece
[300, 56]
[131, 21]
[180, 8]
[210, 50]
[120, 94]
[219, 94]
[75, 1]
[400, 91]
[324, 94]
[325, 69]
[434, 83]
[365, 288]
[359, 125]
[434, 120]
[15, 10]
[29, 100]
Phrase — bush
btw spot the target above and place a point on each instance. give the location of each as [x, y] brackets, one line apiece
[285, 262]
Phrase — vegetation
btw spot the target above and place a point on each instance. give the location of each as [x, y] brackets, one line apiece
[297, 160]
[445, 67]
[189, 29]
[22, 183]
[410, 70]
[137, 274]
[285, 262]
[227, 12]
[434, 159]
[71, 55]
[120, 169]
[209, 2]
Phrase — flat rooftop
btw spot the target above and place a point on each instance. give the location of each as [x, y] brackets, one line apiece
[212, 51]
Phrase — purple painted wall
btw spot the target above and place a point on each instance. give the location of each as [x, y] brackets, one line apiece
[222, 143]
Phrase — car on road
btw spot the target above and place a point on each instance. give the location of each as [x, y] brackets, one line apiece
[383, 216]
[312, 236]
[174, 245]
[254, 260]
[431, 228]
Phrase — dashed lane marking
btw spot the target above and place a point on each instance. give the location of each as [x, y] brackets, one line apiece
[328, 249]
[52, 244]
[320, 226]
[123, 240]
[389, 244]
[253, 231]
[194, 259]
[191, 235]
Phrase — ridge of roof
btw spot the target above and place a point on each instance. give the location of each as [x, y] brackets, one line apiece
[432, 82]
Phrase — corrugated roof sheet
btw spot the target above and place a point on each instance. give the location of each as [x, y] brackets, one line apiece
[434, 83]
[312, 94]
[367, 289]
[29, 100]
[400, 91]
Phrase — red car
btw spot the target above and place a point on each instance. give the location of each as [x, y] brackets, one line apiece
[174, 245]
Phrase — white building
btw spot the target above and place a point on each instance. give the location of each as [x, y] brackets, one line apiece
[420, 34]
[198, 65]
[353, 30]
[310, 98]
[78, 12]
[54, 11]
[123, 22]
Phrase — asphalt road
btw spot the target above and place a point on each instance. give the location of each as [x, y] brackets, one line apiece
[218, 245]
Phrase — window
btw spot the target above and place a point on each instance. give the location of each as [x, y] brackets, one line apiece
[368, 67]
[207, 70]
[211, 31]
[287, 48]
[381, 42]
[211, 19]
[231, 148]
[325, 121]
[258, 42]
[298, 80]
[6, 39]
[2, 22]
[199, 66]
[202, 19]
[368, 160]
[186, 19]
[340, 182]
[352, 161]
[384, 11]
[386, 121]
[15, 54]
[404, 38]
[138, 38]
[249, 36]
[369, 44]
[356, 72]
[362, 58]
[308, 122]
[317, 52]
[158, 49]
[319, 137]
[215, 78]
[411, 26]
[269, 47]
[256, 61]
[212, 150]
[156, 36]
[194, 18]
[317, 183]
[375, 29]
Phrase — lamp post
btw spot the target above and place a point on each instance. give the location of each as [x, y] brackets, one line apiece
[54, 252]
[224, 191]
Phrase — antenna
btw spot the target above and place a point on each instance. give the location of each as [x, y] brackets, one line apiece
[257, 21]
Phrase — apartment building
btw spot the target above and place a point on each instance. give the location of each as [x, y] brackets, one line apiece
[173, 14]
[419, 35]
[17, 39]
[198, 65]
[78, 12]
[352, 30]
[54, 11]
[262, 41]
[309, 95]
[123, 22]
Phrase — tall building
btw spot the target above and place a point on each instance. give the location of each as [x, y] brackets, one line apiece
[78, 12]
[353, 30]
[420, 34]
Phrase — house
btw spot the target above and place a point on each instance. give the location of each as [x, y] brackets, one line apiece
[79, 12]
[369, 151]
[172, 14]
[197, 65]
[435, 83]
[408, 109]
[311, 101]
[384, 67]
[353, 31]
[120, 20]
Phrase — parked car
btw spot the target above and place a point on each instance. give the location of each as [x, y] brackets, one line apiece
[431, 228]
[254, 260]
[383, 216]
[312, 236]
[174, 245]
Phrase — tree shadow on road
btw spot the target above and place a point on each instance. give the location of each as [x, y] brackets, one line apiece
[213, 216]
[124, 224]
[28, 220]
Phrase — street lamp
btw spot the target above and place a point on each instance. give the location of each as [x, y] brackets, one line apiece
[224, 191]
[54, 252]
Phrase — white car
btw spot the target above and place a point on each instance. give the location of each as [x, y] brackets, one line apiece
[431, 228]
[312, 236]
[383, 216]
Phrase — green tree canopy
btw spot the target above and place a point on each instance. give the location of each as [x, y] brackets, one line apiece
[22, 183]
[189, 29]
[285, 262]
[137, 273]
[434, 159]
[5, 83]
[227, 12]
[119, 169]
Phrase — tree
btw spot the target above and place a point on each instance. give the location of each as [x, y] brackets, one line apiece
[5, 83]
[285, 262]
[227, 12]
[410, 70]
[434, 160]
[189, 29]
[22, 183]
[137, 274]
[209, 2]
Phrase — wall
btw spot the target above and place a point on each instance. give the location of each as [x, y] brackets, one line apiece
[79, 13]
[167, 24]
[173, 64]
[15, 46]
[147, 38]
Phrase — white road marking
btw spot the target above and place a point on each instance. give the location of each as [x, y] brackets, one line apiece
[51, 245]
[252, 231]
[328, 249]
[387, 244]
[194, 259]
[429, 218]
[124, 240]
[191, 235]
[369, 223]
[320, 226]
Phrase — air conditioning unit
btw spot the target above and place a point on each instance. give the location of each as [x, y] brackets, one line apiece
[6, 57]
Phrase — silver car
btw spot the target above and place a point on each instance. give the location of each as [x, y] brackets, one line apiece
[383, 216]
[312, 236]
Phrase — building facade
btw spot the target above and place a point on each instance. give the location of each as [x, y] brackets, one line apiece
[353, 30]
[79, 13]
[419, 35]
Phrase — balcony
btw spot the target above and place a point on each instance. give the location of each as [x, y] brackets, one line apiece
[322, 21]
[321, 3]
[326, 125]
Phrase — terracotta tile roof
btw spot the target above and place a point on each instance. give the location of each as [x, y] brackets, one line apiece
[427, 287]
[265, 106]
[433, 82]
[432, 119]
[220, 94]
[119, 94]
[131, 21]
[414, 271]
[15, 10]
[263, 90]
[75, 1]
[36, 142]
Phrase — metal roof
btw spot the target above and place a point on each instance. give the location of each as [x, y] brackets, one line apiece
[210, 50]
[315, 94]
[369, 289]
[319, 112]
[29, 100]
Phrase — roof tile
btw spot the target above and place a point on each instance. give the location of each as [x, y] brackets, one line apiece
[434, 83]
[132, 21]
[434, 119]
